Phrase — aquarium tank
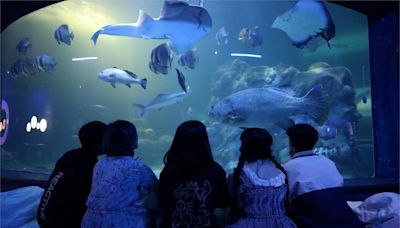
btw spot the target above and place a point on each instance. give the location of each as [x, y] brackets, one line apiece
[230, 64]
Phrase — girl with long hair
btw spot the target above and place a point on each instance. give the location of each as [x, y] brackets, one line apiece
[259, 185]
[191, 184]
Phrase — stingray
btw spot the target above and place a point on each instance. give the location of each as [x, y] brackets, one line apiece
[306, 20]
[183, 24]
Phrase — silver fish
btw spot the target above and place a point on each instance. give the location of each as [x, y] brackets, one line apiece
[222, 36]
[115, 75]
[162, 100]
[244, 34]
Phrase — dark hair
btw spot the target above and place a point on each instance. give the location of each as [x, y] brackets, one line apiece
[256, 145]
[91, 134]
[120, 139]
[190, 150]
[302, 136]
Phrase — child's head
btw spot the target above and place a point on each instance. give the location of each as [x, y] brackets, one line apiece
[120, 139]
[302, 137]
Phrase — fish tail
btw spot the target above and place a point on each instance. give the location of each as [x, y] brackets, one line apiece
[317, 101]
[143, 83]
[143, 109]
[72, 36]
[96, 36]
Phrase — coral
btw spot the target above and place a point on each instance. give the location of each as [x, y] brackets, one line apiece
[336, 81]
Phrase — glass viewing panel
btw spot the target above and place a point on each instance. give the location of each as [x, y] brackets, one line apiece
[49, 89]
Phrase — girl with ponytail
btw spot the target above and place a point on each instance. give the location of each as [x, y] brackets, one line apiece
[259, 185]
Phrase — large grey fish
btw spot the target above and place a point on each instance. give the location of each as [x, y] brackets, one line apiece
[45, 62]
[183, 24]
[115, 75]
[189, 59]
[162, 100]
[23, 46]
[269, 107]
[62, 34]
[161, 59]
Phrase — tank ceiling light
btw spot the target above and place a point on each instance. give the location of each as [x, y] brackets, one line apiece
[245, 55]
[84, 59]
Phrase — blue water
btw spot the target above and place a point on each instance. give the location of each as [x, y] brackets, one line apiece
[72, 95]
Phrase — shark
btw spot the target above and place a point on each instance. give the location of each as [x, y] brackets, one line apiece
[162, 100]
[183, 24]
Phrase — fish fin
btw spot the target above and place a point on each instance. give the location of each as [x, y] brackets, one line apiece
[130, 74]
[143, 83]
[317, 104]
[161, 95]
[58, 42]
[289, 91]
[72, 35]
[301, 119]
[172, 9]
[151, 67]
[129, 85]
[115, 67]
[113, 85]
[145, 37]
[144, 19]
[181, 80]
[96, 35]
[143, 109]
